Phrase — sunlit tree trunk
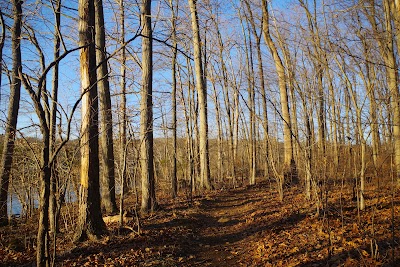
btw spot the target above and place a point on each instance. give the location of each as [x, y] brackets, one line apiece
[149, 202]
[353, 95]
[123, 121]
[53, 205]
[174, 180]
[289, 163]
[395, 6]
[290, 68]
[220, 159]
[90, 221]
[107, 182]
[318, 66]
[393, 78]
[308, 145]
[2, 41]
[41, 104]
[227, 100]
[189, 146]
[250, 102]
[202, 96]
[11, 124]
[369, 79]
[386, 46]
[335, 118]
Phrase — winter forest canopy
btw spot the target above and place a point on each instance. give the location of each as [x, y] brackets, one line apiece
[101, 98]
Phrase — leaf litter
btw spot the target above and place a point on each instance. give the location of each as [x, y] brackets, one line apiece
[246, 226]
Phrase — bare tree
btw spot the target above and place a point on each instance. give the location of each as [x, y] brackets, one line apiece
[248, 47]
[202, 97]
[106, 122]
[385, 39]
[90, 222]
[393, 76]
[257, 37]
[289, 162]
[174, 181]
[149, 202]
[11, 124]
[2, 40]
[319, 55]
[53, 205]
[122, 115]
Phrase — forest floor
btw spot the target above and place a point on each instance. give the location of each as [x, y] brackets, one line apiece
[246, 226]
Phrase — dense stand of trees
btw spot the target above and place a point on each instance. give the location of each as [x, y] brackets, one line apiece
[185, 96]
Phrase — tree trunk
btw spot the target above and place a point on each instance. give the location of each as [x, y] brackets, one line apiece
[123, 121]
[202, 96]
[149, 202]
[43, 239]
[53, 209]
[289, 163]
[174, 180]
[11, 125]
[251, 102]
[107, 183]
[393, 80]
[319, 56]
[227, 101]
[218, 119]
[2, 41]
[90, 221]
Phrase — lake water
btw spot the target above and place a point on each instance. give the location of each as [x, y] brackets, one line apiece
[15, 207]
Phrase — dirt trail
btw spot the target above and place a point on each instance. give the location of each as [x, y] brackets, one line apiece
[240, 227]
[214, 231]
[220, 230]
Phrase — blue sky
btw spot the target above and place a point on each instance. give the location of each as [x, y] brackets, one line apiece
[42, 21]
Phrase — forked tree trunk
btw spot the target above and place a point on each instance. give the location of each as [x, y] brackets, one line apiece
[289, 163]
[106, 123]
[202, 96]
[11, 124]
[90, 221]
[149, 202]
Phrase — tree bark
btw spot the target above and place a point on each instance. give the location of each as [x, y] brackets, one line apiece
[12, 116]
[202, 96]
[319, 68]
[174, 179]
[107, 183]
[53, 209]
[149, 202]
[289, 163]
[43, 240]
[227, 99]
[90, 221]
[2, 41]
[393, 79]
[123, 120]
